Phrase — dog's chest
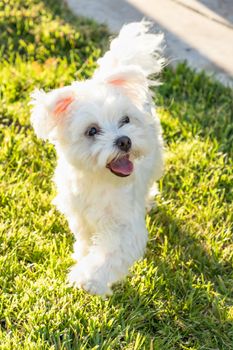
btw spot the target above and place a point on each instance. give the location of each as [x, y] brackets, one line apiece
[99, 204]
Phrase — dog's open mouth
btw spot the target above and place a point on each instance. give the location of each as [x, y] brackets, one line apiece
[121, 166]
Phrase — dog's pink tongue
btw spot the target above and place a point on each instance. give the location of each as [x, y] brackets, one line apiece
[122, 166]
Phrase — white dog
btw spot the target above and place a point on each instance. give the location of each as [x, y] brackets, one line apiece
[110, 151]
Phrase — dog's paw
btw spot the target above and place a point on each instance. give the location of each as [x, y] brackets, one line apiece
[88, 282]
[150, 205]
[95, 287]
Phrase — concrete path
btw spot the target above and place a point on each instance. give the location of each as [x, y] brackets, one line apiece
[199, 31]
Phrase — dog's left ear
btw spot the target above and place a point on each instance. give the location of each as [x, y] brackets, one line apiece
[50, 110]
[132, 82]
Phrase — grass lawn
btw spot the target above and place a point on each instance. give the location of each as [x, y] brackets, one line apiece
[180, 296]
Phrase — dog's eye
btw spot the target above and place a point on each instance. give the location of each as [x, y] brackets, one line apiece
[124, 120]
[92, 131]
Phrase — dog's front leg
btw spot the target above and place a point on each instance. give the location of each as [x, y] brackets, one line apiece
[108, 260]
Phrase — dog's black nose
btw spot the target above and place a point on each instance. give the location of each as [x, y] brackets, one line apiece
[123, 143]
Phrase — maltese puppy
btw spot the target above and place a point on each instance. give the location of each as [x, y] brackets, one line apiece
[110, 151]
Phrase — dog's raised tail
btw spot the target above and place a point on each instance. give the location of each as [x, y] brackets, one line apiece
[134, 46]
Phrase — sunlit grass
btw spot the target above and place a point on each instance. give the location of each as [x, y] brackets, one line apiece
[180, 296]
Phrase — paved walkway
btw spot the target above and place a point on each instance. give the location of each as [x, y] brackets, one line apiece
[199, 31]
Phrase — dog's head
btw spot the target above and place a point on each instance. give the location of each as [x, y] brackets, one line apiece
[98, 125]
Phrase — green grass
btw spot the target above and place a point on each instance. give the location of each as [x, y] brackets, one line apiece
[180, 296]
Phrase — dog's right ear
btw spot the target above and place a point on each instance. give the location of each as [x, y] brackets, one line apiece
[50, 110]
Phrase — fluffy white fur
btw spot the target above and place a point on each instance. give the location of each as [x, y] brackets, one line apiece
[106, 212]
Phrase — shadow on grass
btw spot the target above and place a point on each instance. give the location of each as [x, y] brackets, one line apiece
[189, 292]
[201, 105]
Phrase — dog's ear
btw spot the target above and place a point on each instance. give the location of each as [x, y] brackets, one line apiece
[132, 82]
[50, 109]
